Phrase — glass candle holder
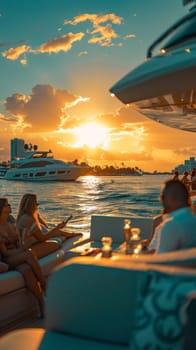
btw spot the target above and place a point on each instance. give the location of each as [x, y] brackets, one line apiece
[127, 230]
[135, 240]
[137, 249]
[135, 234]
[106, 246]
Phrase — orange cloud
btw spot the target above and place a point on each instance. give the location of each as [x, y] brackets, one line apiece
[15, 53]
[106, 35]
[95, 19]
[62, 43]
[101, 34]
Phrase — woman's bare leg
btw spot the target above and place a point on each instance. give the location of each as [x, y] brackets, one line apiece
[30, 259]
[32, 285]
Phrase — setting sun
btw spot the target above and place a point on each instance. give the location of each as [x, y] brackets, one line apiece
[91, 135]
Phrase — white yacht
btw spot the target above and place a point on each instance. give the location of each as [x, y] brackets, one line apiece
[42, 166]
[163, 88]
[4, 166]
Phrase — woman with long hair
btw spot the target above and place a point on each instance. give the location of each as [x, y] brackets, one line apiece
[17, 255]
[30, 223]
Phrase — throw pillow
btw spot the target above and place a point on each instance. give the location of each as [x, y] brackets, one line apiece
[160, 316]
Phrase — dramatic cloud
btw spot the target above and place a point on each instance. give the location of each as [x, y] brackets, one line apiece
[43, 110]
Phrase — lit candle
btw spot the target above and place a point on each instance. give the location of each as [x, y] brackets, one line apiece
[137, 249]
[127, 230]
[106, 248]
[106, 251]
[135, 234]
[135, 237]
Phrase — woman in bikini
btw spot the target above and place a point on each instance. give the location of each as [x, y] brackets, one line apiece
[17, 255]
[30, 223]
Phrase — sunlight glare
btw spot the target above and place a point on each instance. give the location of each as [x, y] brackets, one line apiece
[91, 135]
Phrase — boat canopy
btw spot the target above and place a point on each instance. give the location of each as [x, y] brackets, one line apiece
[163, 88]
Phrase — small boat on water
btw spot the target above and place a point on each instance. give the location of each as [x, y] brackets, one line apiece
[4, 166]
[42, 166]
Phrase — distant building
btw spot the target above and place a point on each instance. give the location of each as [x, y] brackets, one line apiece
[188, 165]
[17, 148]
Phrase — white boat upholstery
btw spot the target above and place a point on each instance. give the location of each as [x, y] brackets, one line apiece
[16, 302]
[99, 304]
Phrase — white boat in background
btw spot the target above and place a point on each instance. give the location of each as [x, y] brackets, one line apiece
[42, 166]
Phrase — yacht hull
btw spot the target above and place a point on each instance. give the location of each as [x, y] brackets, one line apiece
[50, 174]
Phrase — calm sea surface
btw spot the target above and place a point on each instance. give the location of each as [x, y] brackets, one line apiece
[106, 195]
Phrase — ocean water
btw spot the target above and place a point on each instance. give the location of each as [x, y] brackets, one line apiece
[106, 195]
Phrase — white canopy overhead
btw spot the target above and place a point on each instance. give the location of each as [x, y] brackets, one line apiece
[164, 87]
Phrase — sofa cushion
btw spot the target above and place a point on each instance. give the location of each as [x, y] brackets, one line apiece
[160, 318]
[89, 299]
[10, 281]
[13, 280]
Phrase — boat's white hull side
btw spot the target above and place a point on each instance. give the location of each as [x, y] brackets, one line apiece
[45, 174]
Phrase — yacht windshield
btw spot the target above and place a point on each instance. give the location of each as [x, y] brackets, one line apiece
[177, 34]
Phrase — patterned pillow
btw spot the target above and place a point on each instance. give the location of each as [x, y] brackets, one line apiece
[160, 316]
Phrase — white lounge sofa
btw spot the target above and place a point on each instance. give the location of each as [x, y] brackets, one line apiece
[110, 304]
[16, 302]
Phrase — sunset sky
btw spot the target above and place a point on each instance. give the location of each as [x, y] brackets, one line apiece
[58, 60]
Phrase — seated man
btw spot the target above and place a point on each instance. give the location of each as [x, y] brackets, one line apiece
[178, 227]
